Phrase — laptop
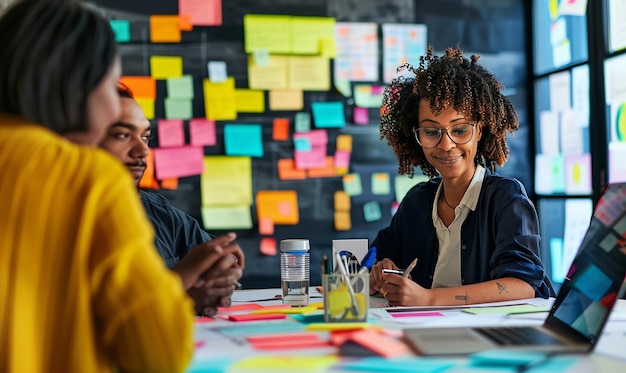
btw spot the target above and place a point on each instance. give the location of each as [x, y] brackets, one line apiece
[581, 309]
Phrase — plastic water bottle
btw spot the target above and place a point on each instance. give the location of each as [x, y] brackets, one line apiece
[295, 271]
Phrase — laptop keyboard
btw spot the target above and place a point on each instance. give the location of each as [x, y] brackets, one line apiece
[518, 336]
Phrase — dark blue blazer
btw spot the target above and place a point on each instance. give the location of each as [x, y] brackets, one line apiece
[499, 239]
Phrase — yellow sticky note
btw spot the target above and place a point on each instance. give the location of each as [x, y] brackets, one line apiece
[344, 142]
[271, 76]
[286, 99]
[269, 32]
[328, 47]
[220, 100]
[164, 29]
[279, 205]
[343, 222]
[307, 33]
[147, 105]
[309, 73]
[283, 363]
[342, 201]
[226, 180]
[163, 67]
[249, 101]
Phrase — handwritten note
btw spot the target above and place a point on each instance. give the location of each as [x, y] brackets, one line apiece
[309, 73]
[309, 35]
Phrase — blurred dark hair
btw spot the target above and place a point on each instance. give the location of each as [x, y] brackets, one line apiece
[53, 54]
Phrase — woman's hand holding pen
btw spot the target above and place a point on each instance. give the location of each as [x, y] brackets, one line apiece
[376, 274]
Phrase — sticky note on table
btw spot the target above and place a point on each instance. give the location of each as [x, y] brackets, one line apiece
[282, 363]
[507, 310]
[257, 317]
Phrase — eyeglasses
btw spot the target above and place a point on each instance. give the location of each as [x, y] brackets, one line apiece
[430, 137]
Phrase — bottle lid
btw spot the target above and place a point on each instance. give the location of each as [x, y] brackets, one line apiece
[294, 244]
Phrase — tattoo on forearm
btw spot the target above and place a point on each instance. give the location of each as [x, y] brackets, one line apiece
[501, 288]
[465, 297]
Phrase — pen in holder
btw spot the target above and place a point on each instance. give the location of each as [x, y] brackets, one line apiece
[346, 297]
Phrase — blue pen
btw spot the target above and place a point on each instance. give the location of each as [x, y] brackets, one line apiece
[368, 260]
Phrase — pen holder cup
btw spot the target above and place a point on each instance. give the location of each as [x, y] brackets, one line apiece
[346, 297]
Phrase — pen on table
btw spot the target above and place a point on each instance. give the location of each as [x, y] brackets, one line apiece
[408, 269]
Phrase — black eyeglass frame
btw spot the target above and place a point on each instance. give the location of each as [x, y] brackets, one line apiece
[441, 131]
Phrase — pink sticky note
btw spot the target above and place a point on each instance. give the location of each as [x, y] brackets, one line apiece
[202, 132]
[266, 226]
[342, 159]
[202, 12]
[268, 246]
[361, 115]
[316, 158]
[377, 89]
[171, 133]
[178, 162]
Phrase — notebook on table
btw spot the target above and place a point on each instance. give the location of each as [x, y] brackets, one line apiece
[581, 308]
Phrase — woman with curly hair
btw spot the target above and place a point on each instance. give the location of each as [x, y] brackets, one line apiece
[475, 234]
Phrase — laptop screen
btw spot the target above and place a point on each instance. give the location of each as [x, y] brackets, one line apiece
[593, 282]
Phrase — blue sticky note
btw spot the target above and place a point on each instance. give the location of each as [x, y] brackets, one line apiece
[399, 365]
[302, 144]
[218, 365]
[243, 139]
[328, 114]
[121, 30]
[506, 357]
[262, 328]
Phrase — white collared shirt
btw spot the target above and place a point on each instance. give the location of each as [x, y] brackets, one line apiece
[448, 268]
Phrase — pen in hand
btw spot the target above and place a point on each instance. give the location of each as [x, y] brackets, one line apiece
[408, 269]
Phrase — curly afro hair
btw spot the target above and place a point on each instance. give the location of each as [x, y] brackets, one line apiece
[449, 81]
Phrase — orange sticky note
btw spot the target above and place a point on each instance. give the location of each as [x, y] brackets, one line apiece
[164, 29]
[268, 246]
[279, 205]
[148, 180]
[327, 171]
[281, 129]
[171, 183]
[343, 221]
[287, 170]
[140, 86]
[342, 201]
[266, 226]
[184, 22]
[344, 143]
[380, 344]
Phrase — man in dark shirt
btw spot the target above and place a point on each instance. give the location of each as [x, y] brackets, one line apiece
[176, 233]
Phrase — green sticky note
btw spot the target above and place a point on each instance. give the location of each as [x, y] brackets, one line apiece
[121, 30]
[302, 122]
[371, 211]
[403, 183]
[380, 183]
[180, 87]
[178, 108]
[352, 184]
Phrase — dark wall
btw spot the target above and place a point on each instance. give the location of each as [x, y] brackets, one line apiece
[494, 29]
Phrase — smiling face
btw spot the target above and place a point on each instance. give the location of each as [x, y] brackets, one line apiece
[453, 161]
[127, 139]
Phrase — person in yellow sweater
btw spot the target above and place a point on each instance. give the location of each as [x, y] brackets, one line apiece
[82, 288]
